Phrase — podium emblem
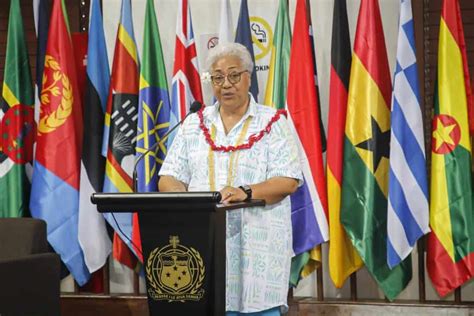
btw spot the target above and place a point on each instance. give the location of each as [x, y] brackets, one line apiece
[175, 272]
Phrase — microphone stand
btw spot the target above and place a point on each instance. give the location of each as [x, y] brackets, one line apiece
[196, 106]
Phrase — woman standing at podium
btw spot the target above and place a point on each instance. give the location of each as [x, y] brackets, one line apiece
[246, 151]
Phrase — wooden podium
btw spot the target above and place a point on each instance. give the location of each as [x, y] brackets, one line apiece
[183, 238]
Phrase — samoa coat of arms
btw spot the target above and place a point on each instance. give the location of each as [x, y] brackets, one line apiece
[175, 272]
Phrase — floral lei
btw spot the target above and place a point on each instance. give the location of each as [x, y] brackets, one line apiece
[251, 140]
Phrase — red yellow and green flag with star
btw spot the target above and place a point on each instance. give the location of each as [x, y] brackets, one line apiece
[366, 153]
[450, 259]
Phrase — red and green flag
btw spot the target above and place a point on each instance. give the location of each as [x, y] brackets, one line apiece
[366, 153]
[16, 120]
[450, 256]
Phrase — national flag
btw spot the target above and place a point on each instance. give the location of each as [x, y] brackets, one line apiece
[42, 12]
[226, 28]
[408, 213]
[93, 236]
[55, 184]
[312, 259]
[275, 96]
[343, 258]
[313, 51]
[366, 153]
[80, 45]
[154, 107]
[42, 9]
[277, 81]
[186, 82]
[17, 126]
[467, 79]
[450, 255]
[122, 117]
[309, 202]
[244, 36]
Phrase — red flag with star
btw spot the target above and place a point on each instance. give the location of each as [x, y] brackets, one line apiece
[450, 257]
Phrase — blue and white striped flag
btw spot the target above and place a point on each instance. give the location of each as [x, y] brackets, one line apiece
[408, 190]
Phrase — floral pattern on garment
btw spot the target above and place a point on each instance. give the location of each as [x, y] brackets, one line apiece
[259, 239]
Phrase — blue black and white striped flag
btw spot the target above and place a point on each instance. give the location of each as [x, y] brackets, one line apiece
[93, 236]
[408, 190]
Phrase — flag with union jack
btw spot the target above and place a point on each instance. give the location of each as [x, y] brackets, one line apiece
[186, 84]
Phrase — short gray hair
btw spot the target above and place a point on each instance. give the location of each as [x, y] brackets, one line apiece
[230, 49]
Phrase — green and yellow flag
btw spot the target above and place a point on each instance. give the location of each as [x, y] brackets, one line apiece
[366, 153]
[153, 111]
[277, 81]
[16, 120]
[450, 257]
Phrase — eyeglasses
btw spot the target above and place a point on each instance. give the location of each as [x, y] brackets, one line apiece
[233, 77]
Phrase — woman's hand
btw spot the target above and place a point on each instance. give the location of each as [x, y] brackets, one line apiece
[272, 191]
[231, 194]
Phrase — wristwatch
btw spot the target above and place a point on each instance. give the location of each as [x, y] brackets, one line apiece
[247, 190]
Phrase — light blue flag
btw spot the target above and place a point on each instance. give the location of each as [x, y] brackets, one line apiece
[408, 215]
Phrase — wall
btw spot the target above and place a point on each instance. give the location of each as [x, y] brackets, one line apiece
[29, 26]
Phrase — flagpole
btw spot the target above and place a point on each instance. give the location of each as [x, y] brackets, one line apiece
[421, 247]
[353, 284]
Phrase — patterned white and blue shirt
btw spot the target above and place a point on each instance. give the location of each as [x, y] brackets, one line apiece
[259, 239]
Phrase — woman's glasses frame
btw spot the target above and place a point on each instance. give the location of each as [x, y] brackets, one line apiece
[233, 77]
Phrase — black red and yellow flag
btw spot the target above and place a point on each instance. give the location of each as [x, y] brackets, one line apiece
[343, 258]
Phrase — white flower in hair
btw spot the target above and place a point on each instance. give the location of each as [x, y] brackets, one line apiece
[206, 77]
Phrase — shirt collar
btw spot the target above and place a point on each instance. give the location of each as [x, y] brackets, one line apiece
[214, 115]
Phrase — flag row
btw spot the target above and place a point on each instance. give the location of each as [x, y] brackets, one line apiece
[371, 200]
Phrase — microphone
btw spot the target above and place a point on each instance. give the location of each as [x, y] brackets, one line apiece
[195, 106]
